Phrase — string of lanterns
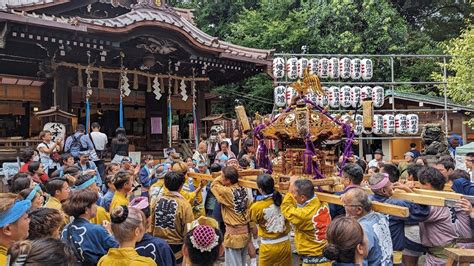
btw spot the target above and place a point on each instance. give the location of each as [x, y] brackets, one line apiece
[346, 97]
[324, 68]
[335, 97]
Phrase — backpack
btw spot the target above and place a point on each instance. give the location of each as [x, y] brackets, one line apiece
[76, 146]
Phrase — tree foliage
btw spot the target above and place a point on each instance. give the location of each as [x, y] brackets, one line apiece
[335, 27]
[461, 82]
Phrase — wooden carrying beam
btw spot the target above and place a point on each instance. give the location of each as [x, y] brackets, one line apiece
[326, 197]
[415, 198]
[376, 206]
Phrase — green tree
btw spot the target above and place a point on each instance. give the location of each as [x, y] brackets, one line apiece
[440, 19]
[461, 83]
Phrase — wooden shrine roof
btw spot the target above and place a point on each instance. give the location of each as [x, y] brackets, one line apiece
[164, 17]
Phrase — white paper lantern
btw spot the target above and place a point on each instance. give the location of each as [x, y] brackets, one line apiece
[358, 124]
[333, 68]
[412, 123]
[388, 124]
[345, 68]
[313, 66]
[323, 68]
[366, 69]
[333, 97]
[278, 67]
[279, 96]
[355, 68]
[401, 124]
[378, 96]
[377, 126]
[292, 68]
[365, 93]
[313, 97]
[345, 96]
[345, 118]
[290, 93]
[323, 100]
[355, 97]
[302, 65]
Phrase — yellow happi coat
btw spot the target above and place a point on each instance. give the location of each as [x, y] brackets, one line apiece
[119, 199]
[101, 216]
[125, 257]
[235, 203]
[54, 203]
[169, 216]
[272, 226]
[3, 255]
[158, 189]
[310, 222]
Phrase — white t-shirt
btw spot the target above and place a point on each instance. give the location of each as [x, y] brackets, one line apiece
[100, 140]
[375, 163]
[45, 158]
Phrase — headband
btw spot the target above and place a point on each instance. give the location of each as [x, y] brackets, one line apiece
[381, 184]
[86, 184]
[139, 203]
[32, 194]
[14, 213]
[233, 160]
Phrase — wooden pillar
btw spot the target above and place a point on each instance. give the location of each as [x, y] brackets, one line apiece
[201, 105]
[62, 94]
[154, 108]
[463, 129]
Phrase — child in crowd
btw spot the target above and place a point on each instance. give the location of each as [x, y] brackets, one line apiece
[89, 241]
[150, 246]
[44, 251]
[20, 182]
[122, 181]
[58, 190]
[147, 175]
[171, 213]
[112, 169]
[203, 242]
[46, 149]
[347, 244]
[14, 222]
[89, 182]
[273, 228]
[234, 201]
[310, 218]
[67, 160]
[27, 156]
[37, 171]
[128, 226]
[45, 223]
[35, 192]
[107, 198]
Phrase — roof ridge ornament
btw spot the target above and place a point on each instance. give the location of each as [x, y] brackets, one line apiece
[149, 4]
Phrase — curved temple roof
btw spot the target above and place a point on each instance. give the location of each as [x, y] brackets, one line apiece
[140, 15]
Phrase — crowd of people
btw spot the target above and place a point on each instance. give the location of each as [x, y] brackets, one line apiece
[68, 206]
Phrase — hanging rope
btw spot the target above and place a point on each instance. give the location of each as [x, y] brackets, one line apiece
[122, 55]
[88, 92]
[193, 89]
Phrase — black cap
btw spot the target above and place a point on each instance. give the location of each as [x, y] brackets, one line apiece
[378, 151]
